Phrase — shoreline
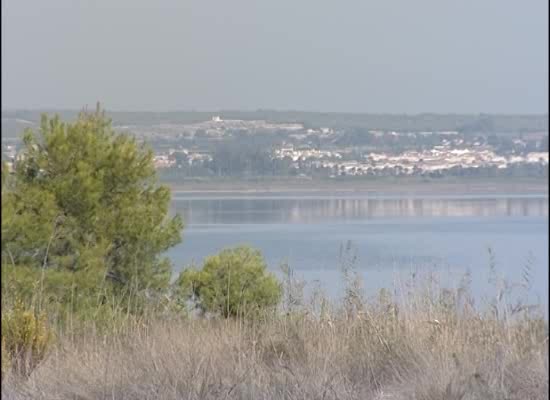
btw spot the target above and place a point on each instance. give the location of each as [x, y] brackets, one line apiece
[396, 187]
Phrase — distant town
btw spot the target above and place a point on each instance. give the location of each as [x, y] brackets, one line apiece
[230, 147]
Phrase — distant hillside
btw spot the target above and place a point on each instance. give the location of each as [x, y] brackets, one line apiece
[468, 123]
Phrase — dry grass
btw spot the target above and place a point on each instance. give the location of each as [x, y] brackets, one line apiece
[425, 349]
[421, 342]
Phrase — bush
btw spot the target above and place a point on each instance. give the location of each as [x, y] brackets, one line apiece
[234, 282]
[25, 339]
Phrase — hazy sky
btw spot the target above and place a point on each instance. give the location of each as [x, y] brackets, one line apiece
[398, 56]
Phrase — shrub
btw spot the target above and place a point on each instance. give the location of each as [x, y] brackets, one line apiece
[25, 339]
[234, 282]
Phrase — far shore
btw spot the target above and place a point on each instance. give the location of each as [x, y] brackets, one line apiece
[529, 186]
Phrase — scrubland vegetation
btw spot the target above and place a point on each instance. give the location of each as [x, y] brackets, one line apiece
[433, 345]
[89, 309]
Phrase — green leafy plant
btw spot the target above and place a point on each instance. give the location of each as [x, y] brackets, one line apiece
[232, 283]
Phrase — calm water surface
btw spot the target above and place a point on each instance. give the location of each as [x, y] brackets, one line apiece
[393, 237]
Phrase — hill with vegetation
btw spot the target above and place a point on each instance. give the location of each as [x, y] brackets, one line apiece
[475, 123]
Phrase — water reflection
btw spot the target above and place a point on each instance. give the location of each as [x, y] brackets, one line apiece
[310, 210]
[390, 234]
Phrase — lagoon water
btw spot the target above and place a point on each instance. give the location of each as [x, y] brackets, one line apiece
[393, 238]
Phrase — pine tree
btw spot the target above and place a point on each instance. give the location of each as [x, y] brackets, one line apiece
[85, 199]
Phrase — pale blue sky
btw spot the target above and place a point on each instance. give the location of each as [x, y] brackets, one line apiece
[397, 56]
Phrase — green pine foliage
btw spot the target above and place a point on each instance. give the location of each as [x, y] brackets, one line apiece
[83, 213]
[234, 282]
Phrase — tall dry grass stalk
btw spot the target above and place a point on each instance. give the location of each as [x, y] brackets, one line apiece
[370, 357]
[432, 344]
[420, 341]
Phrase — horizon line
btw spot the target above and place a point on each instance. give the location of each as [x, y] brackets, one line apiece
[228, 110]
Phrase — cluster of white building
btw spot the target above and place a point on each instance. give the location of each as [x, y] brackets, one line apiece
[439, 159]
[307, 154]
[164, 161]
[169, 159]
[410, 162]
[10, 152]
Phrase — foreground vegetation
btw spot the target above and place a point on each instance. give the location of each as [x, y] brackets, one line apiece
[433, 344]
[89, 310]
